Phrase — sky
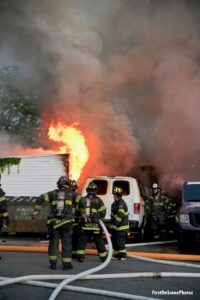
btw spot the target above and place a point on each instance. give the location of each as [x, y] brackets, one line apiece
[127, 71]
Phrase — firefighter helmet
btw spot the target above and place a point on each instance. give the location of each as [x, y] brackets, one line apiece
[155, 186]
[118, 191]
[91, 188]
[73, 184]
[62, 181]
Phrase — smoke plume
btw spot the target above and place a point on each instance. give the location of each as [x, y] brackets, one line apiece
[126, 71]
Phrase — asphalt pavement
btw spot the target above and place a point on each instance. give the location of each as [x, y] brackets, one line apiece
[14, 264]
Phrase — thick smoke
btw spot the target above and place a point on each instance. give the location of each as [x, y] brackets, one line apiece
[126, 71]
[11, 147]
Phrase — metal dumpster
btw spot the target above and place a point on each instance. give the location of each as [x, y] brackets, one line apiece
[19, 210]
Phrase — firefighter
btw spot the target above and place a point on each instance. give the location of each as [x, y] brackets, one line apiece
[4, 219]
[172, 210]
[59, 222]
[157, 206]
[73, 187]
[92, 209]
[119, 224]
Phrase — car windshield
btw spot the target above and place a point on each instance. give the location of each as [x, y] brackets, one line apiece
[191, 192]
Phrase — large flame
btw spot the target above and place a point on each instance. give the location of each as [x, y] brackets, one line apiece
[74, 144]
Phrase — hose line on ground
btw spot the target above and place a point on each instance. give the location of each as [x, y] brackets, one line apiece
[150, 243]
[7, 280]
[165, 262]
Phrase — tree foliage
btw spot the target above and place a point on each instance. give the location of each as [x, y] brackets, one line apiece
[8, 162]
[19, 113]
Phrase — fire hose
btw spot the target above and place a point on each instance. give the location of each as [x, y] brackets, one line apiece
[87, 275]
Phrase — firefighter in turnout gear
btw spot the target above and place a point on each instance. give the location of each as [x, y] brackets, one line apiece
[172, 210]
[157, 206]
[73, 187]
[119, 224]
[59, 222]
[4, 219]
[91, 209]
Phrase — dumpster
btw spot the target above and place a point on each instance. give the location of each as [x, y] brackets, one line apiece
[19, 210]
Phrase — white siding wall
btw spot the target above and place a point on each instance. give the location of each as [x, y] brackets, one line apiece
[37, 174]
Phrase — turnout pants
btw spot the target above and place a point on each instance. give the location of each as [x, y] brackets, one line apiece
[65, 233]
[159, 230]
[84, 235]
[119, 243]
[75, 236]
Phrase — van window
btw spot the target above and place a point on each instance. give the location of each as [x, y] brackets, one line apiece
[124, 185]
[191, 192]
[143, 190]
[102, 186]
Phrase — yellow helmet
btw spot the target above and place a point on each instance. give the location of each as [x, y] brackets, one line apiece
[118, 191]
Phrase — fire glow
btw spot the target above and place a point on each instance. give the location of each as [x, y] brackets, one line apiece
[74, 144]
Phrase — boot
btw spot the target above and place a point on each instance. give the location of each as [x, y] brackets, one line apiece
[81, 258]
[53, 266]
[67, 266]
[103, 258]
[115, 257]
[123, 258]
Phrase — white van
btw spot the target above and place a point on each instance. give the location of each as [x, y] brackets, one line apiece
[134, 195]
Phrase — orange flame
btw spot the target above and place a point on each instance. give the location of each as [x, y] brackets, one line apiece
[75, 145]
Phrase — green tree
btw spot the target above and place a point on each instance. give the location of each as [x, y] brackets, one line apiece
[19, 112]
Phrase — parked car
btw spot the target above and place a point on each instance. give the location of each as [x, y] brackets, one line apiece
[134, 195]
[189, 215]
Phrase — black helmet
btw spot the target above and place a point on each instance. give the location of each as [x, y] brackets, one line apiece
[91, 188]
[73, 185]
[62, 181]
[118, 191]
